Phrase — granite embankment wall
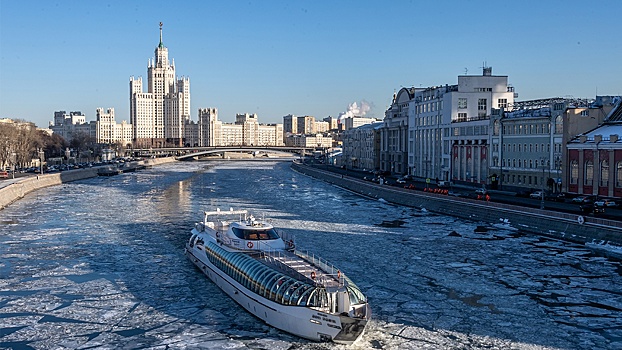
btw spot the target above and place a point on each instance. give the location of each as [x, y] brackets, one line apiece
[19, 189]
[25, 185]
[571, 227]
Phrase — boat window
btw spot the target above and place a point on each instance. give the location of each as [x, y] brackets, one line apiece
[294, 300]
[261, 279]
[192, 240]
[282, 289]
[254, 234]
[290, 291]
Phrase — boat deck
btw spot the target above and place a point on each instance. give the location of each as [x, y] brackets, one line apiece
[296, 267]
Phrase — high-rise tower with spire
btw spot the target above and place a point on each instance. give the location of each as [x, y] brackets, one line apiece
[159, 115]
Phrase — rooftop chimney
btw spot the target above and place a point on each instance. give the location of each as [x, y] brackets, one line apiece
[487, 71]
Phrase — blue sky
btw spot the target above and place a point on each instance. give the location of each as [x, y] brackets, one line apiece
[315, 58]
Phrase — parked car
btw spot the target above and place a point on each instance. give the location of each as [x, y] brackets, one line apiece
[401, 180]
[523, 193]
[583, 200]
[444, 184]
[536, 195]
[481, 191]
[591, 208]
[605, 203]
[556, 197]
[4, 175]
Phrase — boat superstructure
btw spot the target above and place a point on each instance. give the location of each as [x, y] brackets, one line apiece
[264, 272]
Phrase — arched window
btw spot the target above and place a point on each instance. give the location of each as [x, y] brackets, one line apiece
[559, 127]
[514, 163]
[604, 173]
[519, 163]
[574, 172]
[619, 174]
[536, 146]
[531, 164]
[589, 173]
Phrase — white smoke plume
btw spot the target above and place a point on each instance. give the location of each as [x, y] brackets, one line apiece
[355, 110]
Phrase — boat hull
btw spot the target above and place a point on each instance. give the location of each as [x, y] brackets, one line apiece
[302, 321]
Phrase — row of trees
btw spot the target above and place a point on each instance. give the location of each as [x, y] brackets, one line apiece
[20, 142]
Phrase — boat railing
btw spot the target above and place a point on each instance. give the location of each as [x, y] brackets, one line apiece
[324, 265]
[318, 269]
[289, 239]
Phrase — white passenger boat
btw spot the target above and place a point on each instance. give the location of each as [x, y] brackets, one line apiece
[264, 273]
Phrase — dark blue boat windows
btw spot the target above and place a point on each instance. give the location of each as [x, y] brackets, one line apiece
[263, 280]
[254, 234]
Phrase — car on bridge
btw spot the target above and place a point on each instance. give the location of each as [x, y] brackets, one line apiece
[583, 199]
[605, 203]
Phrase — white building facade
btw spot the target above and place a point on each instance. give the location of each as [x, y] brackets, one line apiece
[108, 131]
[246, 131]
[441, 132]
[361, 147]
[160, 114]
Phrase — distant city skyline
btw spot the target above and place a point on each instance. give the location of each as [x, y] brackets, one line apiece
[279, 58]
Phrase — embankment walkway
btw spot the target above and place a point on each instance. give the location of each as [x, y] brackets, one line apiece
[18, 188]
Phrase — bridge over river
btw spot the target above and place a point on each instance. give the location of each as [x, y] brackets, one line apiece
[189, 153]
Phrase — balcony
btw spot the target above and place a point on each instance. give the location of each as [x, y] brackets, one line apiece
[470, 119]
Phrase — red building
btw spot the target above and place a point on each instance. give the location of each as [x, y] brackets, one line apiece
[595, 159]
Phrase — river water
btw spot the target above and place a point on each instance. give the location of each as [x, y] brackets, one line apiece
[99, 264]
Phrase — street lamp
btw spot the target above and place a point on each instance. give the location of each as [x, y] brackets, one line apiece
[543, 165]
[41, 157]
[14, 158]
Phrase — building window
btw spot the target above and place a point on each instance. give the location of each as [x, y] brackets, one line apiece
[559, 127]
[502, 103]
[482, 107]
[462, 117]
[462, 103]
[589, 173]
[574, 172]
[496, 128]
[585, 113]
[604, 173]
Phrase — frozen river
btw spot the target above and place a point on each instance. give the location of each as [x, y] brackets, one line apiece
[99, 264]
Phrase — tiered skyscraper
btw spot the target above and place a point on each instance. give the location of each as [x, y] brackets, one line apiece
[159, 115]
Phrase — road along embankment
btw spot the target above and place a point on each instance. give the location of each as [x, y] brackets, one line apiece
[570, 227]
[25, 185]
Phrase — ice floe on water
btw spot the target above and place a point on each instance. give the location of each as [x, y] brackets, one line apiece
[99, 264]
